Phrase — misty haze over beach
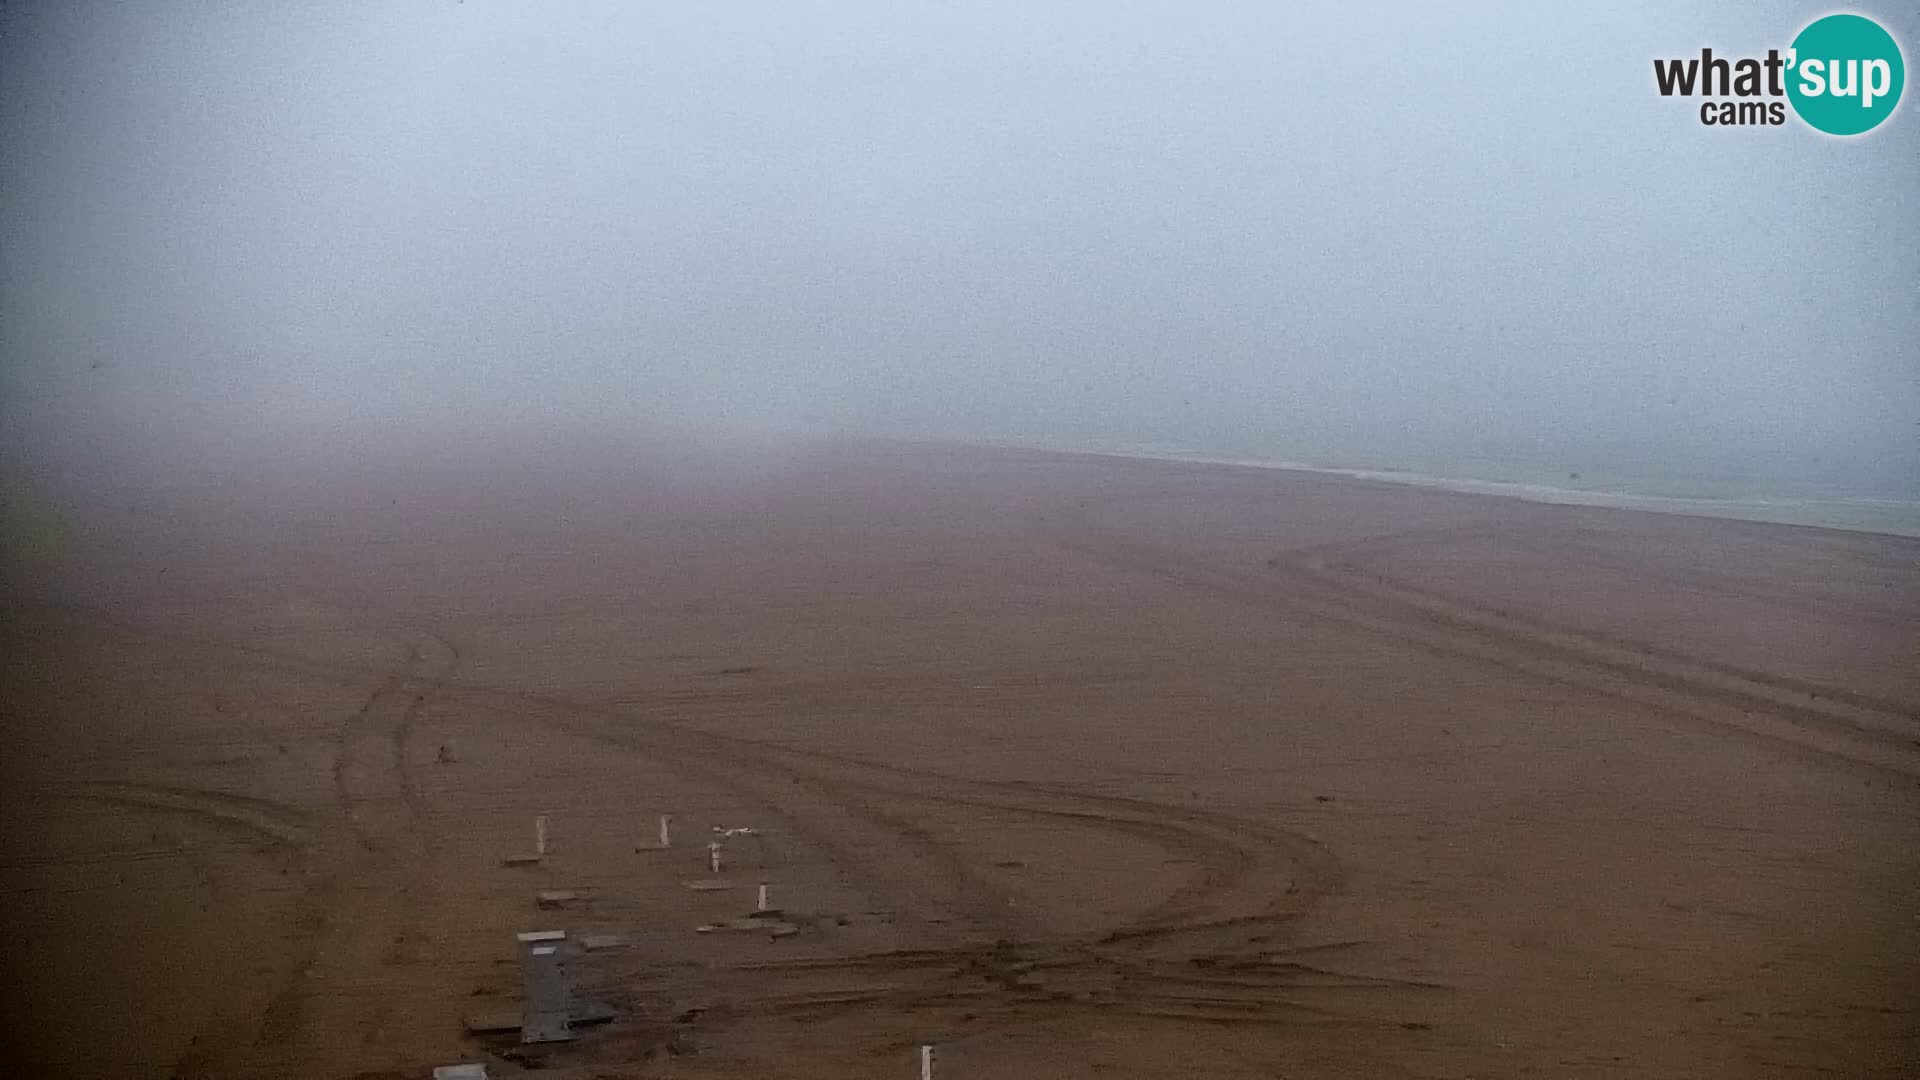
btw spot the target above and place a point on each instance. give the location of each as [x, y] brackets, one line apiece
[1246, 232]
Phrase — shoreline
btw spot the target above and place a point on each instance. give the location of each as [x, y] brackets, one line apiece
[1799, 513]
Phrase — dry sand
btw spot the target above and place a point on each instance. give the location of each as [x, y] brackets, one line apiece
[1074, 767]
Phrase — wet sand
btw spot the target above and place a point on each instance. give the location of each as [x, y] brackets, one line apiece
[1071, 766]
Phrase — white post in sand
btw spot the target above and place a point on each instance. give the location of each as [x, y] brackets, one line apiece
[760, 902]
[666, 830]
[926, 1062]
[713, 857]
[540, 834]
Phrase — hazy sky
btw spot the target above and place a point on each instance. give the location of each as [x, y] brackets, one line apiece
[1343, 225]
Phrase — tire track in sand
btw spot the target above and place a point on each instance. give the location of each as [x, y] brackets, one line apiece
[1252, 881]
[364, 943]
[1201, 954]
[1309, 582]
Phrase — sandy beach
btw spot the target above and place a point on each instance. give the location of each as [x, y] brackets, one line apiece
[1068, 766]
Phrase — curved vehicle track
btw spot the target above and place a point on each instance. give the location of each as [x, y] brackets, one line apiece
[1333, 583]
[360, 913]
[1204, 952]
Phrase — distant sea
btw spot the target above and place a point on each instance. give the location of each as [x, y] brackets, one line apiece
[1833, 504]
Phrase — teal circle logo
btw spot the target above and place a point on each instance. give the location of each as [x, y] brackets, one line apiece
[1845, 74]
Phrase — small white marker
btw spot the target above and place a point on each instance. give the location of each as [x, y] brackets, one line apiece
[666, 830]
[713, 857]
[926, 1062]
[540, 834]
[760, 902]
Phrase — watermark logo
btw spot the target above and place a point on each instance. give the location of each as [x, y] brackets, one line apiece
[1850, 74]
[1842, 75]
